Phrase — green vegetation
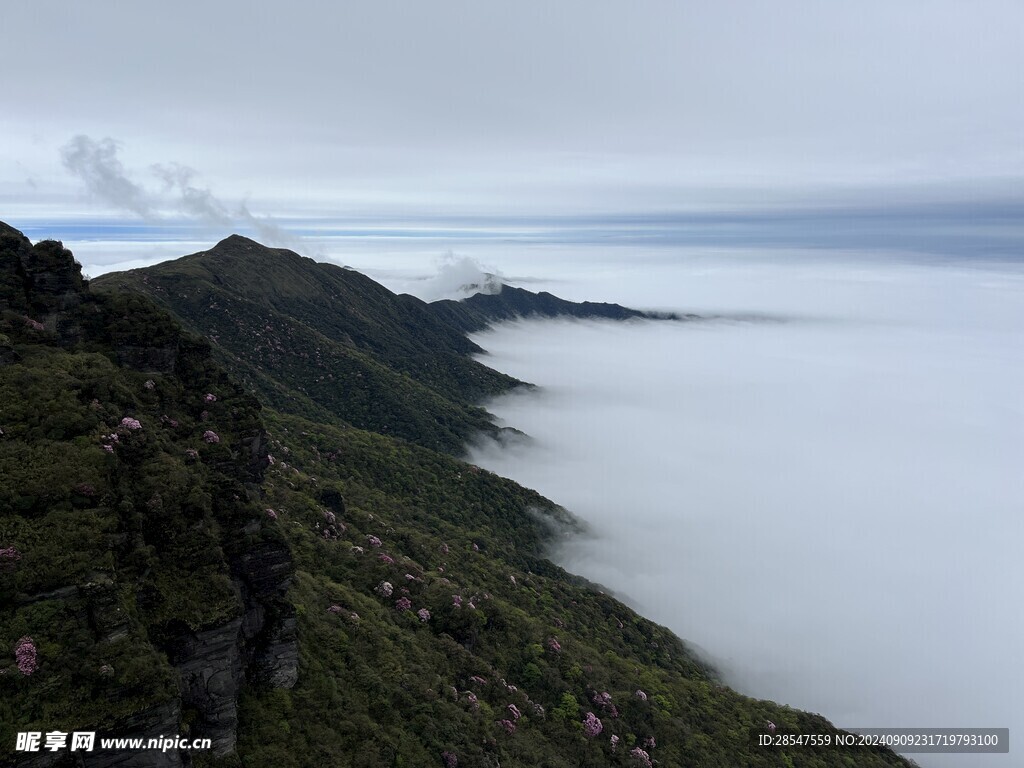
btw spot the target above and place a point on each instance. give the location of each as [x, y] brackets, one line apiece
[115, 535]
[161, 529]
[326, 343]
[389, 689]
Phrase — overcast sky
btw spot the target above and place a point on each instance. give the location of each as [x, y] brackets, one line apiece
[482, 107]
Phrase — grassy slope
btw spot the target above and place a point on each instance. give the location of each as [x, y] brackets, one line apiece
[386, 689]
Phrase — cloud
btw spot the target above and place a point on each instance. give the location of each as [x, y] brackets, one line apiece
[807, 501]
[269, 233]
[194, 202]
[454, 277]
[458, 277]
[95, 162]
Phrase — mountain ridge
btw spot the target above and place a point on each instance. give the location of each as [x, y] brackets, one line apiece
[284, 322]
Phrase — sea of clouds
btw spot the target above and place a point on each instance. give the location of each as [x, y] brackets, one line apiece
[821, 487]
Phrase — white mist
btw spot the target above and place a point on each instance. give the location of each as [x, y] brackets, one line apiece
[830, 504]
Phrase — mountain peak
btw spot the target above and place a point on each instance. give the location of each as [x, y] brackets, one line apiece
[240, 246]
[238, 241]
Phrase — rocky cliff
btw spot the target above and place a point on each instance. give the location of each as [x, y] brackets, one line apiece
[136, 558]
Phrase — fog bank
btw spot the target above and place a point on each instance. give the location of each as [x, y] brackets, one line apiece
[830, 506]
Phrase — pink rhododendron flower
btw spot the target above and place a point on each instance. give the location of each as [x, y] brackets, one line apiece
[604, 700]
[424, 614]
[357, 550]
[641, 756]
[374, 541]
[472, 699]
[649, 743]
[403, 604]
[129, 423]
[450, 760]
[456, 601]
[209, 397]
[329, 516]
[508, 725]
[514, 711]
[554, 645]
[640, 695]
[614, 741]
[271, 514]
[150, 384]
[476, 547]
[8, 557]
[35, 325]
[334, 609]
[211, 437]
[108, 448]
[354, 616]
[25, 654]
[591, 725]
[270, 460]
[386, 558]
[384, 589]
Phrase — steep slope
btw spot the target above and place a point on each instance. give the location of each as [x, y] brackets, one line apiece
[177, 560]
[136, 565]
[433, 632]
